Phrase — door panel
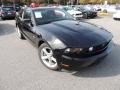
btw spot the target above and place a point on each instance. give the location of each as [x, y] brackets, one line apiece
[28, 30]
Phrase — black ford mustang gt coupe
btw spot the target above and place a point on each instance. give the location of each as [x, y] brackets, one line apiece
[60, 39]
[88, 12]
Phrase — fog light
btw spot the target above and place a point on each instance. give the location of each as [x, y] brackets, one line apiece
[73, 50]
[67, 50]
[81, 49]
[91, 49]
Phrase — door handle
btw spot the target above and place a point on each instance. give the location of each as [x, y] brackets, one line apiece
[34, 36]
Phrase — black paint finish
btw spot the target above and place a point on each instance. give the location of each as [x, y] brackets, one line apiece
[63, 34]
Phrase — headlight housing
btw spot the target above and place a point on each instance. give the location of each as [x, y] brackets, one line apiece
[73, 50]
[79, 50]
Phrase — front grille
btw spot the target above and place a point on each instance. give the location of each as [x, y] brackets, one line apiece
[86, 53]
[93, 13]
[79, 14]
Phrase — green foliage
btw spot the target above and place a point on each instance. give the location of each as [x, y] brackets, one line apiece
[99, 1]
[65, 1]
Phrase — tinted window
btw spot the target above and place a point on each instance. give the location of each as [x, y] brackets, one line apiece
[17, 7]
[67, 8]
[8, 8]
[21, 12]
[44, 16]
[27, 14]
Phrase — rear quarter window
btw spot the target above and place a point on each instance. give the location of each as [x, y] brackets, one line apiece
[27, 14]
[20, 13]
[8, 8]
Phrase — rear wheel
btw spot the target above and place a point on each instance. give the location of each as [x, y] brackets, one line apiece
[20, 35]
[2, 18]
[47, 58]
[85, 16]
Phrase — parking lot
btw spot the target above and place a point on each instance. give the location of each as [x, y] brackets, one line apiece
[20, 68]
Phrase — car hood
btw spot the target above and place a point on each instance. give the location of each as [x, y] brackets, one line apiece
[118, 11]
[74, 34]
[117, 14]
[73, 12]
[89, 11]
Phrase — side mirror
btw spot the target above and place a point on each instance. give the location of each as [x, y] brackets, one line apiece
[29, 22]
[26, 20]
[17, 14]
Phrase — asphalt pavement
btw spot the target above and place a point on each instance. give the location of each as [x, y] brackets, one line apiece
[21, 69]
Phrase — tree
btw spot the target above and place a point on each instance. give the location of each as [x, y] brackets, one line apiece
[61, 1]
[57, 1]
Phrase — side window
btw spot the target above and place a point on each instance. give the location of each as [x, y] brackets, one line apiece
[65, 9]
[27, 14]
[21, 12]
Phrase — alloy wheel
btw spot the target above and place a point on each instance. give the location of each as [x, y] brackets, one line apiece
[47, 57]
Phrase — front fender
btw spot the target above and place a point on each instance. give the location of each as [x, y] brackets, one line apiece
[52, 41]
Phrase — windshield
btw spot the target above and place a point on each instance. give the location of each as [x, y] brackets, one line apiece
[118, 8]
[83, 8]
[89, 8]
[67, 8]
[45, 16]
[8, 8]
[17, 6]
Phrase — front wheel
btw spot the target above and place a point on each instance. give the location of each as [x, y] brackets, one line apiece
[85, 16]
[47, 58]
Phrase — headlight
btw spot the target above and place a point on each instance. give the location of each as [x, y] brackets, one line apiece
[79, 50]
[91, 49]
[73, 50]
[73, 15]
[57, 41]
[67, 50]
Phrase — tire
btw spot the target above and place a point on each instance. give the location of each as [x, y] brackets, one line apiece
[85, 16]
[47, 58]
[20, 35]
[2, 18]
[104, 11]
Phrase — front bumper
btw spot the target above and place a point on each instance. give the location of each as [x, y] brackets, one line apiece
[116, 16]
[77, 17]
[92, 15]
[8, 16]
[87, 61]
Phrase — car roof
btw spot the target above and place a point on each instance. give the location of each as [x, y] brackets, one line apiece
[36, 8]
[7, 6]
